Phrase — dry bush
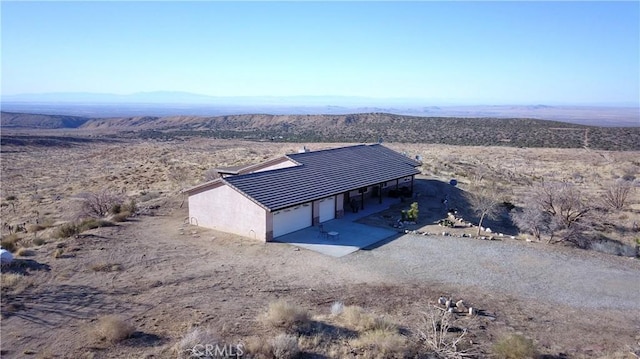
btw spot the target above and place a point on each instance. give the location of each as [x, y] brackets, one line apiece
[285, 346]
[99, 204]
[112, 329]
[58, 253]
[435, 334]
[484, 201]
[383, 344]
[121, 217]
[67, 230]
[195, 339]
[616, 195]
[9, 242]
[32, 228]
[14, 282]
[106, 267]
[258, 348]
[287, 316]
[92, 223]
[25, 252]
[359, 319]
[514, 347]
[39, 241]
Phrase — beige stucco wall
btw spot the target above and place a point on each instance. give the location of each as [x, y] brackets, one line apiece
[224, 209]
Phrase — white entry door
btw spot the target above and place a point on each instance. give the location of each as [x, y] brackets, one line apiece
[291, 219]
[327, 209]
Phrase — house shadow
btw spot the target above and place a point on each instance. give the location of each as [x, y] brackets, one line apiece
[24, 266]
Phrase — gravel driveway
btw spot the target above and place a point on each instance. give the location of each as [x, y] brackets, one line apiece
[530, 270]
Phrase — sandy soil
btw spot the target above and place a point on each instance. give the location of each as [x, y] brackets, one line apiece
[168, 276]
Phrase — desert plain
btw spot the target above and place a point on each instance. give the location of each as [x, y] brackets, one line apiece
[165, 279]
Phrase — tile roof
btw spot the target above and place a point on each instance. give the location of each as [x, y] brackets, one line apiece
[322, 174]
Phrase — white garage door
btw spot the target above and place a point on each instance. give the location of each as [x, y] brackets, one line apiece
[327, 209]
[291, 219]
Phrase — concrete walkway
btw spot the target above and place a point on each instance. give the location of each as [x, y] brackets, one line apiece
[351, 236]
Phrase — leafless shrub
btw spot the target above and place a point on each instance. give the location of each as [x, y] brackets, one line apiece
[616, 195]
[435, 334]
[383, 344]
[484, 201]
[113, 329]
[99, 204]
[557, 209]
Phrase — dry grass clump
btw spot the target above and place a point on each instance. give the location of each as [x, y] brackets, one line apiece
[58, 253]
[258, 348]
[113, 329]
[357, 318]
[514, 347]
[67, 230]
[11, 282]
[25, 252]
[285, 346]
[10, 241]
[382, 344]
[284, 315]
[195, 339]
[106, 267]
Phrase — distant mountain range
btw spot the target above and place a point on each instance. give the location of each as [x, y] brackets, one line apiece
[189, 104]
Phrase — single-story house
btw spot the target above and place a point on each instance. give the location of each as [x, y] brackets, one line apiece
[295, 191]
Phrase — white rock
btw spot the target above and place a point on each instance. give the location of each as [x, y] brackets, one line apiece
[5, 257]
[442, 300]
[472, 311]
[488, 230]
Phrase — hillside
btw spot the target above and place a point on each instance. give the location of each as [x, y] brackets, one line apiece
[368, 127]
[36, 121]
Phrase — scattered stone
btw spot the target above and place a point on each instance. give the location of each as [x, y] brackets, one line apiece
[488, 230]
[460, 305]
[472, 311]
[450, 310]
[447, 304]
[296, 249]
[442, 300]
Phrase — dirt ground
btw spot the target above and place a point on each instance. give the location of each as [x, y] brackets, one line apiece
[164, 276]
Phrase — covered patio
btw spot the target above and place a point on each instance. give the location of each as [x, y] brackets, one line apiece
[350, 236]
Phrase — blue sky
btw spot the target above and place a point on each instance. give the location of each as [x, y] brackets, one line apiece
[448, 52]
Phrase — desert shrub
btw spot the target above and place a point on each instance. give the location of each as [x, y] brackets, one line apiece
[92, 223]
[98, 204]
[9, 242]
[106, 267]
[15, 282]
[435, 334]
[285, 346]
[58, 253]
[131, 207]
[112, 329]
[412, 213]
[514, 347]
[35, 228]
[359, 319]
[258, 348]
[287, 316]
[24, 252]
[616, 195]
[67, 230]
[383, 344]
[115, 208]
[121, 217]
[39, 241]
[188, 346]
